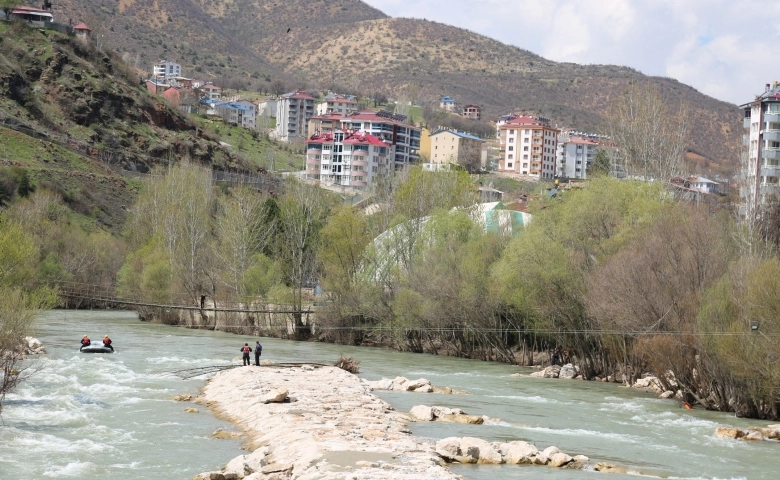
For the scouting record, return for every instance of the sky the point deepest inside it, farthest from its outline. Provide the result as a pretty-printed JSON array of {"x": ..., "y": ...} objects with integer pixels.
[{"x": 721, "y": 48}]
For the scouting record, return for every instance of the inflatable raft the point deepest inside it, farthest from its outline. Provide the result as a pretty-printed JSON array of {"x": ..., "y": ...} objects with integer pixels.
[{"x": 96, "y": 348}]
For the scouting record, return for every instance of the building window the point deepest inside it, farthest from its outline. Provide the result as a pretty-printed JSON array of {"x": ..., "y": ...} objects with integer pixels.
[
  {"x": 525, "y": 140},
  {"x": 511, "y": 132},
  {"x": 525, "y": 157},
  {"x": 509, "y": 165},
  {"x": 511, "y": 148},
  {"x": 525, "y": 165},
  {"x": 510, "y": 156},
  {"x": 512, "y": 140}
]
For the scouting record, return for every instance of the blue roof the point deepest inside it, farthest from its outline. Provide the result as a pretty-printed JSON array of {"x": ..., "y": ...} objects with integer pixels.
[
  {"x": 447, "y": 99},
  {"x": 459, "y": 134}
]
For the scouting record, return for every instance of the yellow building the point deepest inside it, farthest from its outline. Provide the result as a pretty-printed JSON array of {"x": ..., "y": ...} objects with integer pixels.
[
  {"x": 450, "y": 146},
  {"x": 425, "y": 144}
]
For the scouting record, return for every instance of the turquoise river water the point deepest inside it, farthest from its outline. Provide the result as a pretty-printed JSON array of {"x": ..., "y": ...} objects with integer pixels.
[{"x": 111, "y": 416}]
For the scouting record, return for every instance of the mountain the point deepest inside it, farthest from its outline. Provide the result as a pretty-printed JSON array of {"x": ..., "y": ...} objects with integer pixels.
[{"x": 350, "y": 46}]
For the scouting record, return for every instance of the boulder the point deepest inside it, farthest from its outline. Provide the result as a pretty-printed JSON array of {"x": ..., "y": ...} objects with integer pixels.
[
  {"x": 552, "y": 371},
  {"x": 422, "y": 413},
  {"x": 424, "y": 389},
  {"x": 605, "y": 467},
  {"x": 567, "y": 371},
  {"x": 461, "y": 418},
  {"x": 559, "y": 459},
  {"x": 191, "y": 410},
  {"x": 231, "y": 476},
  {"x": 550, "y": 451},
  {"x": 441, "y": 411},
  {"x": 667, "y": 394},
  {"x": 210, "y": 476},
  {"x": 239, "y": 467},
  {"x": 445, "y": 390},
  {"x": 448, "y": 448},
  {"x": 384, "y": 384},
  {"x": 476, "y": 450},
  {"x": 581, "y": 458},
  {"x": 539, "y": 374},
  {"x": 399, "y": 383},
  {"x": 223, "y": 435},
  {"x": 753, "y": 435},
  {"x": 729, "y": 432},
  {"x": 274, "y": 396},
  {"x": 183, "y": 398},
  {"x": 277, "y": 467},
  {"x": 412, "y": 385},
  {"x": 517, "y": 452}
]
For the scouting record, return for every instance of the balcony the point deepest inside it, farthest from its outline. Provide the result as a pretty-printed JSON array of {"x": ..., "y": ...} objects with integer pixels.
[
  {"x": 746, "y": 122},
  {"x": 773, "y": 135},
  {"x": 315, "y": 151},
  {"x": 772, "y": 117},
  {"x": 313, "y": 161},
  {"x": 774, "y": 153},
  {"x": 359, "y": 153},
  {"x": 770, "y": 171},
  {"x": 360, "y": 163}
]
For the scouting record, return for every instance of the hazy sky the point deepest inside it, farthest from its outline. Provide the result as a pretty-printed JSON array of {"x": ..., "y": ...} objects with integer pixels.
[{"x": 722, "y": 48}]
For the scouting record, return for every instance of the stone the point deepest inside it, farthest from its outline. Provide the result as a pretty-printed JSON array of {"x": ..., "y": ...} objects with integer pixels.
[
  {"x": 183, "y": 398},
  {"x": 476, "y": 450},
  {"x": 518, "y": 452},
  {"x": 441, "y": 411},
  {"x": 191, "y": 410},
  {"x": 384, "y": 384},
  {"x": 552, "y": 371},
  {"x": 753, "y": 436},
  {"x": 559, "y": 459},
  {"x": 448, "y": 448},
  {"x": 399, "y": 383},
  {"x": 444, "y": 390},
  {"x": 231, "y": 476},
  {"x": 276, "y": 467},
  {"x": 413, "y": 385},
  {"x": 729, "y": 432},
  {"x": 605, "y": 467},
  {"x": 567, "y": 371},
  {"x": 581, "y": 458},
  {"x": 424, "y": 389},
  {"x": 366, "y": 464},
  {"x": 667, "y": 394},
  {"x": 422, "y": 413},
  {"x": 550, "y": 451},
  {"x": 307, "y": 368},
  {"x": 239, "y": 467},
  {"x": 276, "y": 395},
  {"x": 539, "y": 374},
  {"x": 464, "y": 419},
  {"x": 267, "y": 362}
]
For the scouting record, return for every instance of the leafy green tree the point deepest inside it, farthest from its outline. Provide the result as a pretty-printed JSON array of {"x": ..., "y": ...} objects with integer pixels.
[{"x": 601, "y": 164}]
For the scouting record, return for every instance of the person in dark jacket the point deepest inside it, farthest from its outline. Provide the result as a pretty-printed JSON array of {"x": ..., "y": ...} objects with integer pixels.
[
  {"x": 258, "y": 352},
  {"x": 107, "y": 343},
  {"x": 85, "y": 342},
  {"x": 246, "y": 349}
]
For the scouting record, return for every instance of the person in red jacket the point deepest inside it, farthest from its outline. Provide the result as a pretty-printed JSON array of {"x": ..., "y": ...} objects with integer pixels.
[
  {"x": 85, "y": 342},
  {"x": 246, "y": 350},
  {"x": 107, "y": 343}
]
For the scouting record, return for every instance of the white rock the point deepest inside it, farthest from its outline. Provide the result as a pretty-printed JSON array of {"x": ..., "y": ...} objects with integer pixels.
[
  {"x": 424, "y": 389},
  {"x": 518, "y": 452},
  {"x": 667, "y": 394},
  {"x": 559, "y": 459},
  {"x": 476, "y": 450},
  {"x": 539, "y": 374},
  {"x": 567, "y": 371},
  {"x": 422, "y": 413},
  {"x": 442, "y": 411},
  {"x": 239, "y": 466},
  {"x": 552, "y": 371},
  {"x": 550, "y": 451},
  {"x": 448, "y": 448},
  {"x": 274, "y": 396},
  {"x": 412, "y": 385},
  {"x": 384, "y": 384},
  {"x": 581, "y": 459}
]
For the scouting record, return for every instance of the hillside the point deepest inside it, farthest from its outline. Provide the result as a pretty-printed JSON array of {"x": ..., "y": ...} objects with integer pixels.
[
  {"x": 71, "y": 116},
  {"x": 351, "y": 46}
]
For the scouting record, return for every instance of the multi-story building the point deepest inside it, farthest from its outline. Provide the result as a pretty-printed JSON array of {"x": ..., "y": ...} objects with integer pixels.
[
  {"x": 447, "y": 103},
  {"x": 473, "y": 112},
  {"x": 292, "y": 116},
  {"x": 453, "y": 147},
  {"x": 575, "y": 154},
  {"x": 239, "y": 112},
  {"x": 402, "y": 139},
  {"x": 334, "y": 103},
  {"x": 211, "y": 91},
  {"x": 528, "y": 145},
  {"x": 346, "y": 158},
  {"x": 761, "y": 158},
  {"x": 166, "y": 69}
]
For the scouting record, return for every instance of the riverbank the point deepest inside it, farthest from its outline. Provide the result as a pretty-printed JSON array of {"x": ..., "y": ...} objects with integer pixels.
[{"x": 332, "y": 424}]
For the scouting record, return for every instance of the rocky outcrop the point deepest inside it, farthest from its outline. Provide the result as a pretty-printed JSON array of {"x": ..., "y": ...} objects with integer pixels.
[
  {"x": 770, "y": 432},
  {"x": 334, "y": 425},
  {"x": 424, "y": 413},
  {"x": 475, "y": 450},
  {"x": 33, "y": 346},
  {"x": 421, "y": 385}
]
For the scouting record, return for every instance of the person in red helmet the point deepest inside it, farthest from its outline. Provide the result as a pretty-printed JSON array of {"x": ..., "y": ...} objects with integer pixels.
[
  {"x": 85, "y": 342},
  {"x": 246, "y": 350},
  {"x": 107, "y": 343}
]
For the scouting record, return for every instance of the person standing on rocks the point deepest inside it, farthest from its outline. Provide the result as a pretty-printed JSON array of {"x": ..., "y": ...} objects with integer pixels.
[
  {"x": 258, "y": 352},
  {"x": 245, "y": 350}
]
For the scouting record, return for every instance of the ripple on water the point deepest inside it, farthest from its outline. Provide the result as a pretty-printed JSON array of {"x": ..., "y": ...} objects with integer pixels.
[
  {"x": 586, "y": 433},
  {"x": 530, "y": 399},
  {"x": 72, "y": 469}
]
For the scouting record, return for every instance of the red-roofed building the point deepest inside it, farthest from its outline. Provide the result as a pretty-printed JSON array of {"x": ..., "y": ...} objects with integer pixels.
[
  {"x": 35, "y": 16},
  {"x": 527, "y": 145},
  {"x": 292, "y": 116},
  {"x": 82, "y": 31},
  {"x": 335, "y": 103},
  {"x": 473, "y": 112},
  {"x": 346, "y": 158},
  {"x": 575, "y": 154}
]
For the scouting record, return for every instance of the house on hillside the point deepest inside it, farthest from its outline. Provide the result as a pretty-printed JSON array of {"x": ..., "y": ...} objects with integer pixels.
[
  {"x": 453, "y": 147},
  {"x": 575, "y": 154},
  {"x": 239, "y": 112},
  {"x": 447, "y": 104},
  {"x": 474, "y": 112},
  {"x": 82, "y": 32},
  {"x": 211, "y": 91},
  {"x": 35, "y": 16},
  {"x": 156, "y": 87},
  {"x": 335, "y": 103},
  {"x": 704, "y": 185},
  {"x": 165, "y": 69},
  {"x": 293, "y": 114}
]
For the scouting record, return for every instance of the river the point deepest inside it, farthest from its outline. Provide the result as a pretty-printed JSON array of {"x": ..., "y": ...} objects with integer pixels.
[{"x": 91, "y": 416}]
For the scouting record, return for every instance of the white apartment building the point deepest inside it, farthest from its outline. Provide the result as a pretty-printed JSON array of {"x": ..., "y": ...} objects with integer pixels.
[
  {"x": 348, "y": 159},
  {"x": 211, "y": 91},
  {"x": 528, "y": 146},
  {"x": 574, "y": 155},
  {"x": 761, "y": 160},
  {"x": 334, "y": 103},
  {"x": 292, "y": 116},
  {"x": 403, "y": 139},
  {"x": 166, "y": 69},
  {"x": 239, "y": 112}
]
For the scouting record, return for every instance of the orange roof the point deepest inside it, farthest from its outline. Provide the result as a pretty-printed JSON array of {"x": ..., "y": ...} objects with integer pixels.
[{"x": 82, "y": 26}]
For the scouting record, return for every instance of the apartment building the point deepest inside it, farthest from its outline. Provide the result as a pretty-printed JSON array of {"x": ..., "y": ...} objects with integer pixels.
[
  {"x": 334, "y": 103},
  {"x": 166, "y": 69},
  {"x": 528, "y": 146},
  {"x": 761, "y": 158},
  {"x": 447, "y": 103},
  {"x": 211, "y": 91},
  {"x": 473, "y": 112},
  {"x": 574, "y": 155},
  {"x": 346, "y": 158},
  {"x": 453, "y": 147},
  {"x": 402, "y": 139},
  {"x": 292, "y": 116},
  {"x": 239, "y": 112}
]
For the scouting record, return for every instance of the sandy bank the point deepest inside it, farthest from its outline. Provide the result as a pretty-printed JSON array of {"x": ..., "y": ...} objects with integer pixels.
[{"x": 333, "y": 429}]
